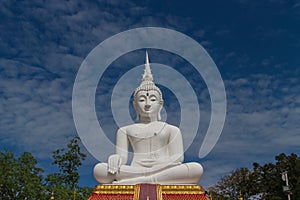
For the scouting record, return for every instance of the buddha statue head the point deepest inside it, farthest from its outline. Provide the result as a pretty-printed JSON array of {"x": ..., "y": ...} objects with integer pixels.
[{"x": 148, "y": 99}]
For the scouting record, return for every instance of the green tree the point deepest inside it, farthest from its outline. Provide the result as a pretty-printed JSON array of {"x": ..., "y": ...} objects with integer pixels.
[
  {"x": 264, "y": 181},
  {"x": 270, "y": 180},
  {"x": 291, "y": 164},
  {"x": 64, "y": 183},
  {"x": 20, "y": 178},
  {"x": 296, "y": 189},
  {"x": 7, "y": 167},
  {"x": 230, "y": 186}
]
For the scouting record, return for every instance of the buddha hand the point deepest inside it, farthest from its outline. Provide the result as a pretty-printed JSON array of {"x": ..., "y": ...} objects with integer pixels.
[{"x": 114, "y": 163}]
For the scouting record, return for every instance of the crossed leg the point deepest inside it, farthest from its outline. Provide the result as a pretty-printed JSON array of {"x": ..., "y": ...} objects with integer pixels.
[{"x": 188, "y": 173}]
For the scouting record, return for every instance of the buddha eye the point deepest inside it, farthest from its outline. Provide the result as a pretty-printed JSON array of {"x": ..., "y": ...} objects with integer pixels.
[{"x": 141, "y": 99}]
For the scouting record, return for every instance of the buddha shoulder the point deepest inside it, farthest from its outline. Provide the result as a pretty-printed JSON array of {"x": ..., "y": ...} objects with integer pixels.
[{"x": 172, "y": 129}]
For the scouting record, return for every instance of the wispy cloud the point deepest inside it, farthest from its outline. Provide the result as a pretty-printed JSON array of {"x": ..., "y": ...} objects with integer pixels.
[{"x": 262, "y": 121}]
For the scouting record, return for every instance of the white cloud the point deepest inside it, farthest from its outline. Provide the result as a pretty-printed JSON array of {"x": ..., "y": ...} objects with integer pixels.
[
  {"x": 44, "y": 45},
  {"x": 36, "y": 111},
  {"x": 262, "y": 121}
]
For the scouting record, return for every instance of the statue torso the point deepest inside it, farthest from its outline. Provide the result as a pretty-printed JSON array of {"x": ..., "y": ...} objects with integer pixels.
[{"x": 149, "y": 141}]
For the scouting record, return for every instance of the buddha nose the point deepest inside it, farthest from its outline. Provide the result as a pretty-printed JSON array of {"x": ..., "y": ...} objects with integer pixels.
[
  {"x": 147, "y": 106},
  {"x": 147, "y": 103}
]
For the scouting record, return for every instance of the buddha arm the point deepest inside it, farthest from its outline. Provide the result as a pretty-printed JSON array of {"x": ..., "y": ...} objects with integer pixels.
[
  {"x": 120, "y": 158},
  {"x": 175, "y": 146},
  {"x": 122, "y": 145}
]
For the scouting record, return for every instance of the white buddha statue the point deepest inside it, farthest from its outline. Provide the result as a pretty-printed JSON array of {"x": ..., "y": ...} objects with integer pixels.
[{"x": 157, "y": 146}]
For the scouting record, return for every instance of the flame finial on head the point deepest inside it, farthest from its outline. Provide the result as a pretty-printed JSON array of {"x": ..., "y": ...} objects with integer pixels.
[
  {"x": 147, "y": 80},
  {"x": 147, "y": 76}
]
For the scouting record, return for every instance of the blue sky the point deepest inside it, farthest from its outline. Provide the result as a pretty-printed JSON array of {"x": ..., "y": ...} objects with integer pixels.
[{"x": 255, "y": 45}]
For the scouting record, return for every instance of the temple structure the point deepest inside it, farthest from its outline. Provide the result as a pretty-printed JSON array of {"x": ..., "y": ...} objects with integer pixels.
[
  {"x": 148, "y": 192},
  {"x": 157, "y": 170}
]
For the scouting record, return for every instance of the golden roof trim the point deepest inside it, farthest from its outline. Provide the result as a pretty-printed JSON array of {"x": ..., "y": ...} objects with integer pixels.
[
  {"x": 182, "y": 189},
  {"x": 114, "y": 189},
  {"x": 161, "y": 189}
]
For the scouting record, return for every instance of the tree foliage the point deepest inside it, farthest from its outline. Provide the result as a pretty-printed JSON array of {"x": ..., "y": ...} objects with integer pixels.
[
  {"x": 263, "y": 181},
  {"x": 291, "y": 164},
  {"x": 68, "y": 160},
  {"x": 21, "y": 179},
  {"x": 239, "y": 181},
  {"x": 65, "y": 182}
]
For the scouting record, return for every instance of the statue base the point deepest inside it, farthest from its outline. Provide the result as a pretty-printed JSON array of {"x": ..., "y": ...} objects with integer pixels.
[{"x": 148, "y": 192}]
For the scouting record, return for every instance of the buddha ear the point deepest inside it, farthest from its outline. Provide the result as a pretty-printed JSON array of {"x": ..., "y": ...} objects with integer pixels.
[
  {"x": 158, "y": 116},
  {"x": 136, "y": 111},
  {"x": 161, "y": 106}
]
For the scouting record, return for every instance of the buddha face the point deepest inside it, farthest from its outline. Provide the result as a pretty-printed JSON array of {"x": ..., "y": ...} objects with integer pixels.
[{"x": 148, "y": 104}]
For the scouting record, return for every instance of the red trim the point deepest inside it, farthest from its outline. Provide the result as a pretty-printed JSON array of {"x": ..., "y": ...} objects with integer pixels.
[{"x": 111, "y": 197}]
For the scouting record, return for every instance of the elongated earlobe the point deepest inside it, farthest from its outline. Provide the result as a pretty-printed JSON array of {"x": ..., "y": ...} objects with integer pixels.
[
  {"x": 136, "y": 112},
  {"x": 158, "y": 114},
  {"x": 158, "y": 117}
]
